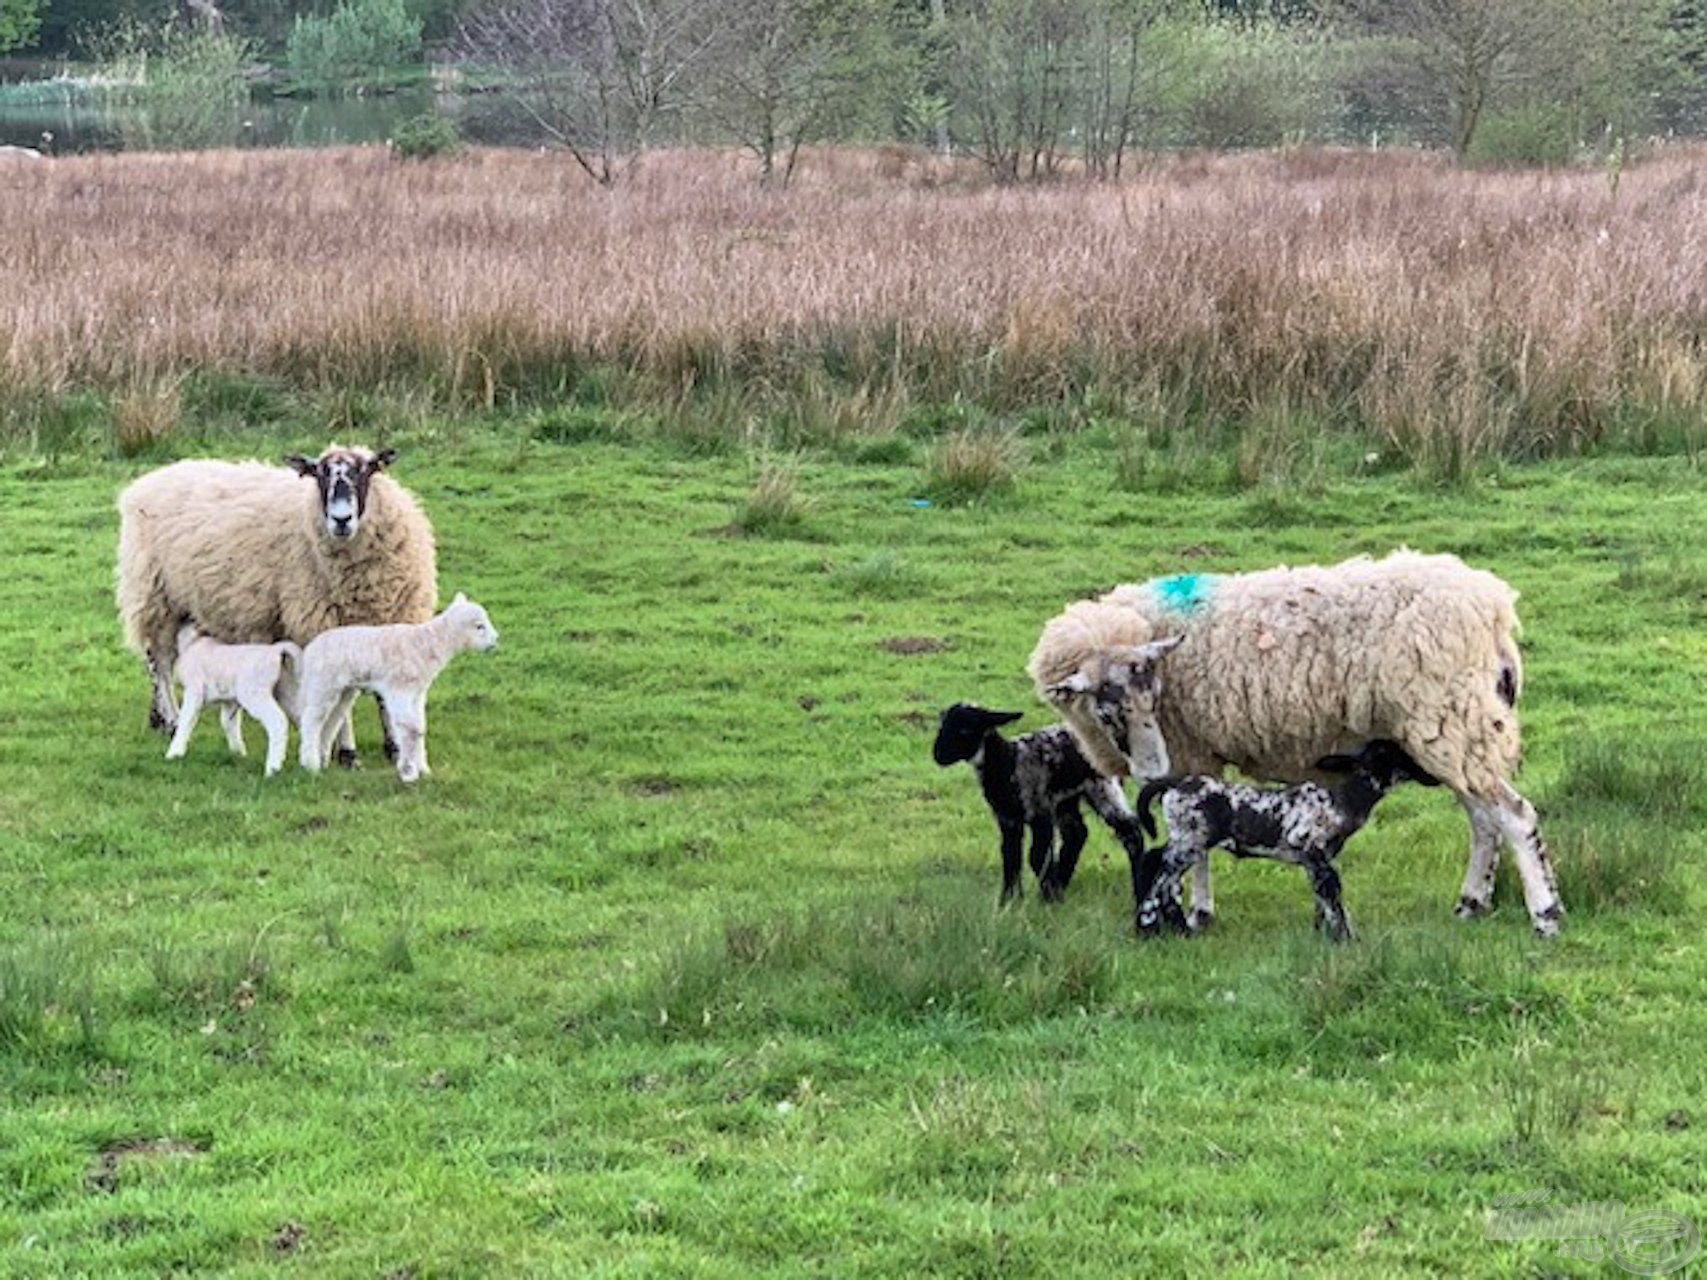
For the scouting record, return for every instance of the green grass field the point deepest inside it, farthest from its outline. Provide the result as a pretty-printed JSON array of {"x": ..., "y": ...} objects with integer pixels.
[{"x": 687, "y": 962}]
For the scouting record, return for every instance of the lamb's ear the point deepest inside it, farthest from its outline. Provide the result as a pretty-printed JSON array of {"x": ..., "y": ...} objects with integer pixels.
[
  {"x": 1004, "y": 717},
  {"x": 1073, "y": 685},
  {"x": 460, "y": 599},
  {"x": 384, "y": 458},
  {"x": 301, "y": 465},
  {"x": 1336, "y": 764}
]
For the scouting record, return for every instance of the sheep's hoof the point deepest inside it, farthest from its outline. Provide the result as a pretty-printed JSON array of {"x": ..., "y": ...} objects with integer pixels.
[
  {"x": 160, "y": 722},
  {"x": 1050, "y": 891},
  {"x": 391, "y": 750},
  {"x": 1469, "y": 908},
  {"x": 1199, "y": 920},
  {"x": 1547, "y": 923},
  {"x": 348, "y": 759}
]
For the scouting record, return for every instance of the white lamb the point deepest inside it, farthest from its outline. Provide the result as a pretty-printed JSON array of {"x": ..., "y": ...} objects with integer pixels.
[
  {"x": 398, "y": 662},
  {"x": 257, "y": 678}
]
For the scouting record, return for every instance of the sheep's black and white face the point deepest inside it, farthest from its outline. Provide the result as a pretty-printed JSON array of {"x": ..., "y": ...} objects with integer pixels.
[
  {"x": 1116, "y": 697},
  {"x": 343, "y": 476}
]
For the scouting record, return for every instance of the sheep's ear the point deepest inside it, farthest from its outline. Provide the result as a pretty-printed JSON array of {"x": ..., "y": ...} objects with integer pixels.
[
  {"x": 301, "y": 465},
  {"x": 1336, "y": 764},
  {"x": 384, "y": 458},
  {"x": 1004, "y": 717},
  {"x": 460, "y": 599},
  {"x": 1073, "y": 685},
  {"x": 1157, "y": 648}
]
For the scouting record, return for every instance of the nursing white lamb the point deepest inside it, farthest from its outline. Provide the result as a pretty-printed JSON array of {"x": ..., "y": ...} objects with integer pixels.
[
  {"x": 398, "y": 662},
  {"x": 253, "y": 555},
  {"x": 257, "y": 678},
  {"x": 1278, "y": 668}
]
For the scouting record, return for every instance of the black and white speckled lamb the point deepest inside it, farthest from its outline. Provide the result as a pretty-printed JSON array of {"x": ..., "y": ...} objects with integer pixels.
[
  {"x": 1307, "y": 824},
  {"x": 1037, "y": 781}
]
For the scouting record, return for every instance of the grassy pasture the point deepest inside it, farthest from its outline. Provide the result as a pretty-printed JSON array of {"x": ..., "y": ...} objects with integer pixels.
[{"x": 687, "y": 962}]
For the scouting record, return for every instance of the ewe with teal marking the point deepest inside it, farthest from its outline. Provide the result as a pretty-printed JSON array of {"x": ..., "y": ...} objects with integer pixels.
[{"x": 1185, "y": 592}]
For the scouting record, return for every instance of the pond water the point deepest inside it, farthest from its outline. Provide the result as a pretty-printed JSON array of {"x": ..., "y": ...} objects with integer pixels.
[{"x": 32, "y": 101}]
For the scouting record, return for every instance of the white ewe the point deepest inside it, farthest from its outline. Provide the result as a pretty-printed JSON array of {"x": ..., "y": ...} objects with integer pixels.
[
  {"x": 253, "y": 555},
  {"x": 1279, "y": 668}
]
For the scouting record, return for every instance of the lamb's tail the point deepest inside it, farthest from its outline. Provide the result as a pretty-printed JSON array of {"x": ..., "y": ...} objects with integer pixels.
[
  {"x": 290, "y": 658},
  {"x": 1147, "y": 796}
]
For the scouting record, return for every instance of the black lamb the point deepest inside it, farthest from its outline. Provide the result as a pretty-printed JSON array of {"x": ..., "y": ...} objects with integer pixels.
[{"x": 1038, "y": 781}]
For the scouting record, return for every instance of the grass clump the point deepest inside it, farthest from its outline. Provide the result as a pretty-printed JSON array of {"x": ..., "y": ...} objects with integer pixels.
[
  {"x": 774, "y": 506},
  {"x": 972, "y": 463},
  {"x": 145, "y": 415}
]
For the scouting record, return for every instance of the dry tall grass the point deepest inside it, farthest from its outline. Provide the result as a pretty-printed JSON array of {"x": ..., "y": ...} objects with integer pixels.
[{"x": 1455, "y": 313}]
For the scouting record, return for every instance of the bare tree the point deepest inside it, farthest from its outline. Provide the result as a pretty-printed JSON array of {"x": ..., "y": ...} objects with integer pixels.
[
  {"x": 1469, "y": 51},
  {"x": 1014, "y": 70},
  {"x": 789, "y": 72},
  {"x": 601, "y": 77}
]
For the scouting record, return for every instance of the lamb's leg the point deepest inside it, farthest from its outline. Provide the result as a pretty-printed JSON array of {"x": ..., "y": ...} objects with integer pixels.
[
  {"x": 1108, "y": 802},
  {"x": 1476, "y": 898},
  {"x": 1522, "y": 831},
  {"x": 1160, "y": 906},
  {"x": 186, "y": 724},
  {"x": 338, "y": 737},
  {"x": 260, "y": 704},
  {"x": 1073, "y": 837},
  {"x": 409, "y": 717},
  {"x": 1013, "y": 847},
  {"x": 231, "y": 720},
  {"x": 316, "y": 703},
  {"x": 1330, "y": 909},
  {"x": 1043, "y": 847}
]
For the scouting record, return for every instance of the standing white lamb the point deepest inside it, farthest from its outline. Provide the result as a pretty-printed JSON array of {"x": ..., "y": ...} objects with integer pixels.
[
  {"x": 257, "y": 678},
  {"x": 254, "y": 555},
  {"x": 399, "y": 662},
  {"x": 1278, "y": 668}
]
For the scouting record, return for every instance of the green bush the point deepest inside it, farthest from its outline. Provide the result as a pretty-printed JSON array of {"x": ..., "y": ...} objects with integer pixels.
[
  {"x": 1539, "y": 136},
  {"x": 424, "y": 136},
  {"x": 171, "y": 88},
  {"x": 360, "y": 42}
]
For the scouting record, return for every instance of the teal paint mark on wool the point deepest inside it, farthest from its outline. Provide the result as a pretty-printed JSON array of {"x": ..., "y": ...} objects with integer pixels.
[{"x": 1184, "y": 592}]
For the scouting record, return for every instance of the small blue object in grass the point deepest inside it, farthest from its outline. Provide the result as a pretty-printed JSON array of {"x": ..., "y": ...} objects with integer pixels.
[
  {"x": 1184, "y": 592},
  {"x": 921, "y": 502}
]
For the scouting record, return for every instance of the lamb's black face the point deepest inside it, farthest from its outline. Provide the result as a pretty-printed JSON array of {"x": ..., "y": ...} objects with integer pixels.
[
  {"x": 343, "y": 476},
  {"x": 1385, "y": 761},
  {"x": 962, "y": 728}
]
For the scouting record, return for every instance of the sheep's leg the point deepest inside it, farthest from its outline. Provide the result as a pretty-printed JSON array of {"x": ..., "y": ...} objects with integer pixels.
[
  {"x": 387, "y": 728},
  {"x": 1522, "y": 831},
  {"x": 162, "y": 657},
  {"x": 1013, "y": 847},
  {"x": 1073, "y": 836},
  {"x": 346, "y": 727},
  {"x": 1043, "y": 847},
  {"x": 231, "y": 720},
  {"x": 186, "y": 724},
  {"x": 1476, "y": 898}
]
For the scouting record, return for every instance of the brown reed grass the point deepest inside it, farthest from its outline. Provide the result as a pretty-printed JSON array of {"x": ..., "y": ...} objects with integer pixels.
[{"x": 1450, "y": 313}]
